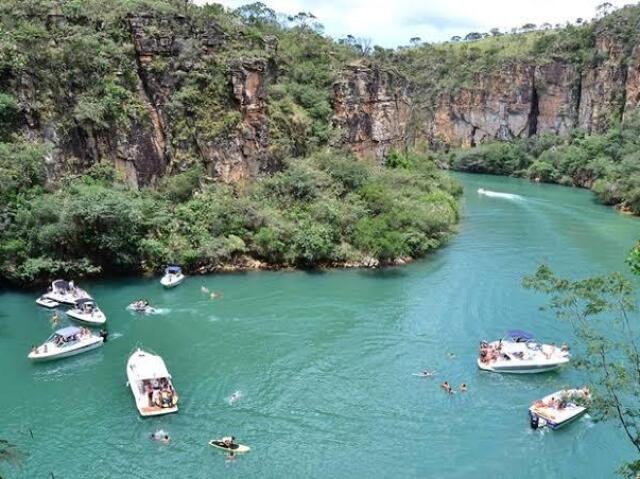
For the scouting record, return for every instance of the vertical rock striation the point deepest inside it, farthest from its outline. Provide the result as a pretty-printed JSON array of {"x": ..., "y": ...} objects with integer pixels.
[{"x": 372, "y": 110}]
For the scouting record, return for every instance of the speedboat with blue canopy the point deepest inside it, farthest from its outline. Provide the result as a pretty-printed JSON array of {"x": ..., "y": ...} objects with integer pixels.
[
  {"x": 87, "y": 311},
  {"x": 67, "y": 342},
  {"x": 172, "y": 277},
  {"x": 519, "y": 353}
]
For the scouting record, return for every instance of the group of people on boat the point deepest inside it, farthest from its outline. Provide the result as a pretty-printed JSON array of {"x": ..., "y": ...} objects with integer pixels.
[
  {"x": 140, "y": 305},
  {"x": 160, "y": 393},
  {"x": 563, "y": 401},
  {"x": 489, "y": 352}
]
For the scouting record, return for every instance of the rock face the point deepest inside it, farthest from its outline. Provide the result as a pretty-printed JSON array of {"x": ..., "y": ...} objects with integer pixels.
[
  {"x": 372, "y": 110},
  {"x": 232, "y": 155},
  {"x": 518, "y": 100},
  {"x": 168, "y": 52}
]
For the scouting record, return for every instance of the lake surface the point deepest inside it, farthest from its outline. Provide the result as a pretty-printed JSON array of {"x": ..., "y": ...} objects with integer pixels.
[{"x": 325, "y": 360}]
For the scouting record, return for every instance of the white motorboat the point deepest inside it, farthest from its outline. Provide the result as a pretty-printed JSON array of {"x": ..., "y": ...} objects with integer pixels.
[
  {"x": 67, "y": 342},
  {"x": 47, "y": 302},
  {"x": 86, "y": 311},
  {"x": 560, "y": 408},
  {"x": 519, "y": 353},
  {"x": 65, "y": 292},
  {"x": 151, "y": 385},
  {"x": 172, "y": 277}
]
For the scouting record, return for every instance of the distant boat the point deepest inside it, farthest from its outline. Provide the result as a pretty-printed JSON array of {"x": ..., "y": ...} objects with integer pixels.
[
  {"x": 151, "y": 385},
  {"x": 142, "y": 306},
  {"x": 519, "y": 353},
  {"x": 560, "y": 408},
  {"x": 67, "y": 342},
  {"x": 65, "y": 292},
  {"x": 172, "y": 277},
  {"x": 497, "y": 194},
  {"x": 87, "y": 311}
]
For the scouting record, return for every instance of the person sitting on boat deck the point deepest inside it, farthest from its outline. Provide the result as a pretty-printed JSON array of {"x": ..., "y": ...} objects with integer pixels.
[
  {"x": 228, "y": 441},
  {"x": 564, "y": 348},
  {"x": 34, "y": 349}
]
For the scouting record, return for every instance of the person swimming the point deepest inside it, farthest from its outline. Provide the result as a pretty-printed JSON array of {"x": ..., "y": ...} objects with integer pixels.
[
  {"x": 160, "y": 436},
  {"x": 427, "y": 374},
  {"x": 463, "y": 388},
  {"x": 235, "y": 397},
  {"x": 446, "y": 387}
]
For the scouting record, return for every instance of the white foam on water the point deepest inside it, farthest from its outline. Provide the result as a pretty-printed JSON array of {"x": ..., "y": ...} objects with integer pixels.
[
  {"x": 497, "y": 194},
  {"x": 235, "y": 397}
]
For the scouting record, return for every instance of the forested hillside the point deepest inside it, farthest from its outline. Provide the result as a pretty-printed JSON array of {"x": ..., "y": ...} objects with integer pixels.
[{"x": 136, "y": 133}]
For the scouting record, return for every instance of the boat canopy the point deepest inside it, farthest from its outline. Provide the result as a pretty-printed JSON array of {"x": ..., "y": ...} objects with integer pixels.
[
  {"x": 173, "y": 269},
  {"x": 83, "y": 301},
  {"x": 148, "y": 366},
  {"x": 61, "y": 284},
  {"x": 68, "y": 332},
  {"x": 520, "y": 335}
]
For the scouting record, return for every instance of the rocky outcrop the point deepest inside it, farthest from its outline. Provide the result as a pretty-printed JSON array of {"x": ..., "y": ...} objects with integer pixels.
[
  {"x": 372, "y": 110},
  {"x": 244, "y": 154},
  {"x": 234, "y": 154},
  {"x": 603, "y": 88}
]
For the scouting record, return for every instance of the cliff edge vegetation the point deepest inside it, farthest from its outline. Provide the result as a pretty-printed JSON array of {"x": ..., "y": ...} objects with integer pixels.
[{"x": 135, "y": 133}]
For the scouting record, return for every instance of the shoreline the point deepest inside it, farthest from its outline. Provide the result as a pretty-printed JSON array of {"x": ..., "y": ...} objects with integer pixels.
[{"x": 242, "y": 264}]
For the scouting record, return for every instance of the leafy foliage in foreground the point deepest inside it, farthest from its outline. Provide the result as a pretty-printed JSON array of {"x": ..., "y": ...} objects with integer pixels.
[
  {"x": 603, "y": 315},
  {"x": 609, "y": 164},
  {"x": 326, "y": 209}
]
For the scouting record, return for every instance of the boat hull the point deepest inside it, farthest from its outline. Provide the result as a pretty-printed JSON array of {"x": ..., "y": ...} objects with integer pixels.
[
  {"x": 97, "y": 319},
  {"x": 239, "y": 448},
  {"x": 519, "y": 368},
  {"x": 168, "y": 282},
  {"x": 66, "y": 354}
]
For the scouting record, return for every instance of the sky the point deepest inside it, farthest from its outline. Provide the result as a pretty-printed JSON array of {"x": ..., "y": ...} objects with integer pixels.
[{"x": 391, "y": 23}]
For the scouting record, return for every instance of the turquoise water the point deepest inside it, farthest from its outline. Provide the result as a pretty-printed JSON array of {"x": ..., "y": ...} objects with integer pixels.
[{"x": 324, "y": 361}]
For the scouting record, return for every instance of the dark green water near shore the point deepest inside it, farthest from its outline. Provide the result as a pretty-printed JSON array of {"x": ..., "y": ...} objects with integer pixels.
[{"x": 324, "y": 361}]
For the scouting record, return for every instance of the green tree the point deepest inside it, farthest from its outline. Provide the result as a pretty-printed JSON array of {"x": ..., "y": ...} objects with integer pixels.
[{"x": 603, "y": 315}]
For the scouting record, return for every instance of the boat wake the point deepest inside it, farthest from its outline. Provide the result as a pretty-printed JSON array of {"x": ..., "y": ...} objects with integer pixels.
[
  {"x": 497, "y": 194},
  {"x": 234, "y": 398}
]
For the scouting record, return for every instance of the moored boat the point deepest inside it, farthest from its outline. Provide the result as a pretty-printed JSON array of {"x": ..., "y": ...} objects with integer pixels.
[
  {"x": 151, "y": 385},
  {"x": 519, "y": 353},
  {"x": 87, "y": 311},
  {"x": 172, "y": 277},
  {"x": 67, "y": 342},
  {"x": 65, "y": 292},
  {"x": 560, "y": 408},
  {"x": 47, "y": 302}
]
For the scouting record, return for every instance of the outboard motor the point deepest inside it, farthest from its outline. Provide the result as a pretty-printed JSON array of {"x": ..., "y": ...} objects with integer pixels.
[
  {"x": 535, "y": 422},
  {"x": 104, "y": 334}
]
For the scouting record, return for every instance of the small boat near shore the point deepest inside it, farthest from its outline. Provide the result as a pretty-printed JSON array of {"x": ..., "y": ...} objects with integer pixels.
[
  {"x": 172, "y": 277},
  {"x": 65, "y": 292},
  {"x": 67, "y": 342},
  {"x": 47, "y": 302},
  {"x": 519, "y": 353},
  {"x": 86, "y": 311},
  {"x": 151, "y": 385},
  {"x": 560, "y": 408}
]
